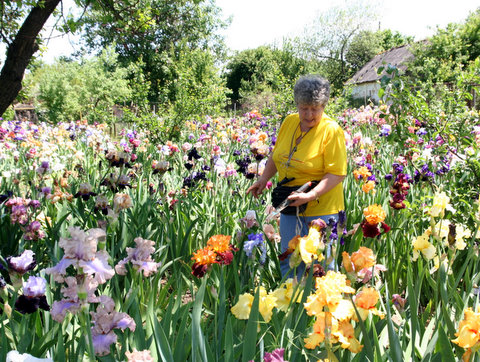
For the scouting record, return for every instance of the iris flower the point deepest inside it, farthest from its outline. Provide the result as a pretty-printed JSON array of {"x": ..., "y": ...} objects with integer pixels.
[
  {"x": 285, "y": 294},
  {"x": 15, "y": 356},
  {"x": 423, "y": 245},
  {"x": 311, "y": 246},
  {"x": 79, "y": 291},
  {"x": 33, "y": 296},
  {"x": 255, "y": 241},
  {"x": 85, "y": 191},
  {"x": 218, "y": 250},
  {"x": 441, "y": 202},
  {"x": 139, "y": 356},
  {"x": 275, "y": 356},
  {"x": 328, "y": 293},
  {"x": 104, "y": 321},
  {"x": 140, "y": 257},
  {"x": 374, "y": 216},
  {"x": 80, "y": 250},
  {"x": 241, "y": 310},
  {"x": 468, "y": 335},
  {"x": 366, "y": 301},
  {"x": 22, "y": 263}
]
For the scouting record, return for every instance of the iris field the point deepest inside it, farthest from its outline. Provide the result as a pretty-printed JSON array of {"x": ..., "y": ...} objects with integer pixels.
[{"x": 129, "y": 248}]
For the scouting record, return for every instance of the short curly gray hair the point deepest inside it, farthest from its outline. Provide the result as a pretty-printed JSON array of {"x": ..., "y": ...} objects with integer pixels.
[{"x": 311, "y": 90}]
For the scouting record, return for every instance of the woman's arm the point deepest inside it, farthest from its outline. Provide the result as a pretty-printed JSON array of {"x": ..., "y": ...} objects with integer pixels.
[
  {"x": 269, "y": 171},
  {"x": 328, "y": 182}
]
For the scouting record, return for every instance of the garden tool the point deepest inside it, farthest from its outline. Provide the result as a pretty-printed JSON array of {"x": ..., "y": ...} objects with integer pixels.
[{"x": 285, "y": 203}]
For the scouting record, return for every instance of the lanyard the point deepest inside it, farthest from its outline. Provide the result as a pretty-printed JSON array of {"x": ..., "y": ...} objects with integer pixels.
[{"x": 294, "y": 149}]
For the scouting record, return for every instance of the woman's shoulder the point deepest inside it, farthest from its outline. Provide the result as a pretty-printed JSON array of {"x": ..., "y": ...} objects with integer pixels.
[
  {"x": 293, "y": 117},
  {"x": 330, "y": 123},
  {"x": 290, "y": 121}
]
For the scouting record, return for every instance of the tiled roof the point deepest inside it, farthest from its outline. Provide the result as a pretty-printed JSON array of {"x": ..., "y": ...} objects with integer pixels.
[{"x": 395, "y": 56}]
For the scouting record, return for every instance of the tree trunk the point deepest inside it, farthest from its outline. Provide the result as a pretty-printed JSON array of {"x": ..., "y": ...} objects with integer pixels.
[{"x": 21, "y": 50}]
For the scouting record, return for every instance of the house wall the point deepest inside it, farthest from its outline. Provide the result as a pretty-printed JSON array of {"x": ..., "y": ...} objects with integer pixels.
[{"x": 367, "y": 92}]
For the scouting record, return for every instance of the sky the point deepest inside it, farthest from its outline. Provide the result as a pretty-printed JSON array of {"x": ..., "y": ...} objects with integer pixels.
[{"x": 262, "y": 22}]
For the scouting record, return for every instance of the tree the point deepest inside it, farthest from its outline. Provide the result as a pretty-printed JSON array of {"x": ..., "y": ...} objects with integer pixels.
[
  {"x": 70, "y": 90},
  {"x": 158, "y": 31},
  {"x": 24, "y": 44},
  {"x": 363, "y": 47},
  {"x": 444, "y": 57},
  {"x": 199, "y": 89},
  {"x": 366, "y": 44},
  {"x": 264, "y": 69},
  {"x": 141, "y": 29},
  {"x": 328, "y": 38}
]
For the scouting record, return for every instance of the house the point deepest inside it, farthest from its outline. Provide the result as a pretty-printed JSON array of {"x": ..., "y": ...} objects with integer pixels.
[
  {"x": 25, "y": 112},
  {"x": 367, "y": 82}
]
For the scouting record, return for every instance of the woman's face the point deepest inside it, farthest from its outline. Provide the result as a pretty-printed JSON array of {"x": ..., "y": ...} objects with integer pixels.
[{"x": 310, "y": 115}]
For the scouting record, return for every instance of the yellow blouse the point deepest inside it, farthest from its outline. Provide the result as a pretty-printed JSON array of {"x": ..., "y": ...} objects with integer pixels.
[{"x": 321, "y": 150}]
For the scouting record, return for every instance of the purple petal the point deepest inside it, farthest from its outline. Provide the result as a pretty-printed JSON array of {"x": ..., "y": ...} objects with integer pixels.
[
  {"x": 275, "y": 356},
  {"x": 23, "y": 263},
  {"x": 102, "y": 342},
  {"x": 98, "y": 266},
  {"x": 34, "y": 287},
  {"x": 61, "y": 307}
]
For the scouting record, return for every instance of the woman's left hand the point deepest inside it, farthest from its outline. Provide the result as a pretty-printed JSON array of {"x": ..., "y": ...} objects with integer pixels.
[
  {"x": 328, "y": 182},
  {"x": 300, "y": 198}
]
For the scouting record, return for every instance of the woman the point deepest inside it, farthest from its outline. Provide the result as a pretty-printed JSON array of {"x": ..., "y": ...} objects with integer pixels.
[{"x": 310, "y": 146}]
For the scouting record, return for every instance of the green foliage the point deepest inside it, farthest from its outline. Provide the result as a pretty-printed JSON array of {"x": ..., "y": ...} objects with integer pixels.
[
  {"x": 249, "y": 69},
  {"x": 67, "y": 90},
  {"x": 442, "y": 110},
  {"x": 392, "y": 39},
  {"x": 366, "y": 44},
  {"x": 328, "y": 38},
  {"x": 443, "y": 57},
  {"x": 263, "y": 78},
  {"x": 156, "y": 31},
  {"x": 363, "y": 47},
  {"x": 196, "y": 90},
  {"x": 11, "y": 14}
]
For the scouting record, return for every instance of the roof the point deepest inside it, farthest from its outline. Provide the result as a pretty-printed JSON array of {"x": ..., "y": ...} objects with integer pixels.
[
  {"x": 395, "y": 56},
  {"x": 23, "y": 107}
]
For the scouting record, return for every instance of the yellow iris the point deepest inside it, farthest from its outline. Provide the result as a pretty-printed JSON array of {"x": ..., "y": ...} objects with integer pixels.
[
  {"x": 374, "y": 214},
  {"x": 363, "y": 258},
  {"x": 468, "y": 334},
  {"x": 311, "y": 246}
]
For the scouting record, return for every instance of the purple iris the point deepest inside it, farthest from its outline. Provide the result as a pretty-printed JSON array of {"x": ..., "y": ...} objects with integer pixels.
[
  {"x": 33, "y": 296},
  {"x": 421, "y": 132},
  {"x": 193, "y": 154},
  {"x": 23, "y": 263},
  {"x": 275, "y": 356},
  {"x": 255, "y": 241},
  {"x": 342, "y": 217},
  {"x": 397, "y": 168},
  {"x": 386, "y": 130}
]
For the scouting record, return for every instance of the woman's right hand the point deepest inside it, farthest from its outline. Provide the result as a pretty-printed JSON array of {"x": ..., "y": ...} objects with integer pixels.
[{"x": 257, "y": 188}]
